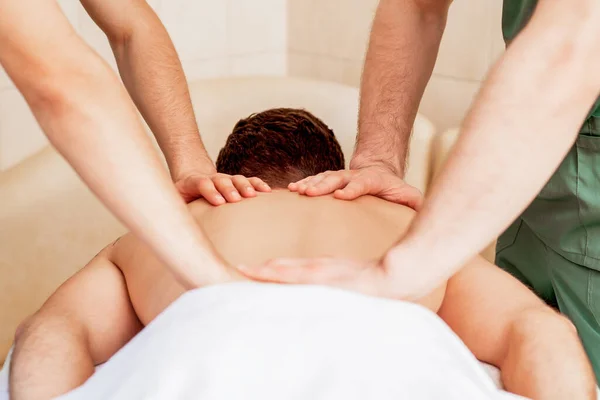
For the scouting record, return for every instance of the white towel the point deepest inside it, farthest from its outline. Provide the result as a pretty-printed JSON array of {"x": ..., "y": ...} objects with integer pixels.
[
  {"x": 258, "y": 341},
  {"x": 4, "y": 377}
]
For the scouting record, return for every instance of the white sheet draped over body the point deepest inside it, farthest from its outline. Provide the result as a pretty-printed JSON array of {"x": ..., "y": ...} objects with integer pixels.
[{"x": 259, "y": 341}]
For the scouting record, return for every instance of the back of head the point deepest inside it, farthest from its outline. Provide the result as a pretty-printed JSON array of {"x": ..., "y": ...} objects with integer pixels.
[{"x": 280, "y": 146}]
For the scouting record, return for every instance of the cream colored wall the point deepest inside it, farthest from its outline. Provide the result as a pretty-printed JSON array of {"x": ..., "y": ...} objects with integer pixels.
[
  {"x": 328, "y": 38},
  {"x": 214, "y": 38}
]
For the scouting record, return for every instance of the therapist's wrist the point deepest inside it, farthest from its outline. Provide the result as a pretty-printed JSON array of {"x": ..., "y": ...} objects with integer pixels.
[
  {"x": 192, "y": 164},
  {"x": 403, "y": 254},
  {"x": 208, "y": 270},
  {"x": 414, "y": 269},
  {"x": 384, "y": 165},
  {"x": 388, "y": 164},
  {"x": 201, "y": 169},
  {"x": 186, "y": 156}
]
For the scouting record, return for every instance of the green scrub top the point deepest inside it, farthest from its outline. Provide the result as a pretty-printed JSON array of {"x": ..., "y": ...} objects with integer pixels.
[{"x": 515, "y": 15}]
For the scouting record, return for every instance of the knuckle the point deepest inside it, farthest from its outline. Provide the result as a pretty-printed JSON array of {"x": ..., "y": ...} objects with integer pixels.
[
  {"x": 206, "y": 184},
  {"x": 227, "y": 183}
]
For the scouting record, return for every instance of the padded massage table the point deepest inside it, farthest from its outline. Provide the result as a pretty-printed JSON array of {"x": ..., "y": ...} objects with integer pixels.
[{"x": 51, "y": 224}]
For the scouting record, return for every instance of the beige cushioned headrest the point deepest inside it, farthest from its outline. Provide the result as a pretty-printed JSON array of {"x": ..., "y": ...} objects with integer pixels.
[{"x": 220, "y": 103}]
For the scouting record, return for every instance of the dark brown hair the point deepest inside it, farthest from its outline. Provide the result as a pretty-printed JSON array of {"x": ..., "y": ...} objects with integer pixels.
[{"x": 280, "y": 146}]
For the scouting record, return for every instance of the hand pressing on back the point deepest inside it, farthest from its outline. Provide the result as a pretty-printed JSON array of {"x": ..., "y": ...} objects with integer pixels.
[
  {"x": 375, "y": 180},
  {"x": 218, "y": 188},
  {"x": 398, "y": 275}
]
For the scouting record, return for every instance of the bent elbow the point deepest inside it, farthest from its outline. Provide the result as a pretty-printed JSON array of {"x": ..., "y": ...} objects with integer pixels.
[
  {"x": 61, "y": 99},
  {"x": 528, "y": 325},
  {"x": 74, "y": 82},
  {"x": 118, "y": 36},
  {"x": 433, "y": 6},
  {"x": 46, "y": 97},
  {"x": 22, "y": 328}
]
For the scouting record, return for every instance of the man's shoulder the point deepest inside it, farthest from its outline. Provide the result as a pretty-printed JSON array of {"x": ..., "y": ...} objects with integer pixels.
[
  {"x": 385, "y": 208},
  {"x": 296, "y": 209},
  {"x": 283, "y": 197}
]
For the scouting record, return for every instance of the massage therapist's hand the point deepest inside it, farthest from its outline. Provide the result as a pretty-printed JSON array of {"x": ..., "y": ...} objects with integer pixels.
[
  {"x": 376, "y": 180},
  {"x": 218, "y": 188},
  {"x": 393, "y": 277}
]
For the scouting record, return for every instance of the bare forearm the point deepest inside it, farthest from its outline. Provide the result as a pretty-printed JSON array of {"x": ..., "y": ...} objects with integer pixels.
[
  {"x": 87, "y": 115},
  {"x": 545, "y": 359},
  {"x": 152, "y": 73},
  {"x": 402, "y": 50},
  {"x": 106, "y": 144},
  {"x": 522, "y": 124},
  {"x": 50, "y": 359}
]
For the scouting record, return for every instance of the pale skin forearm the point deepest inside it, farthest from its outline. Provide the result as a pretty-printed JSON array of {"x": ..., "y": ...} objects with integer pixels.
[
  {"x": 402, "y": 50},
  {"x": 521, "y": 126},
  {"x": 153, "y": 75},
  {"x": 88, "y": 117},
  {"x": 116, "y": 159}
]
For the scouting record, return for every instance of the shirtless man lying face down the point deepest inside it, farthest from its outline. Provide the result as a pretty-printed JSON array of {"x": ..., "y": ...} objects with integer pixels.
[{"x": 99, "y": 309}]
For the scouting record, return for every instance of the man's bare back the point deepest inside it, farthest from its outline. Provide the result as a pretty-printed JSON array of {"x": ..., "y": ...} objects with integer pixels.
[{"x": 277, "y": 224}]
